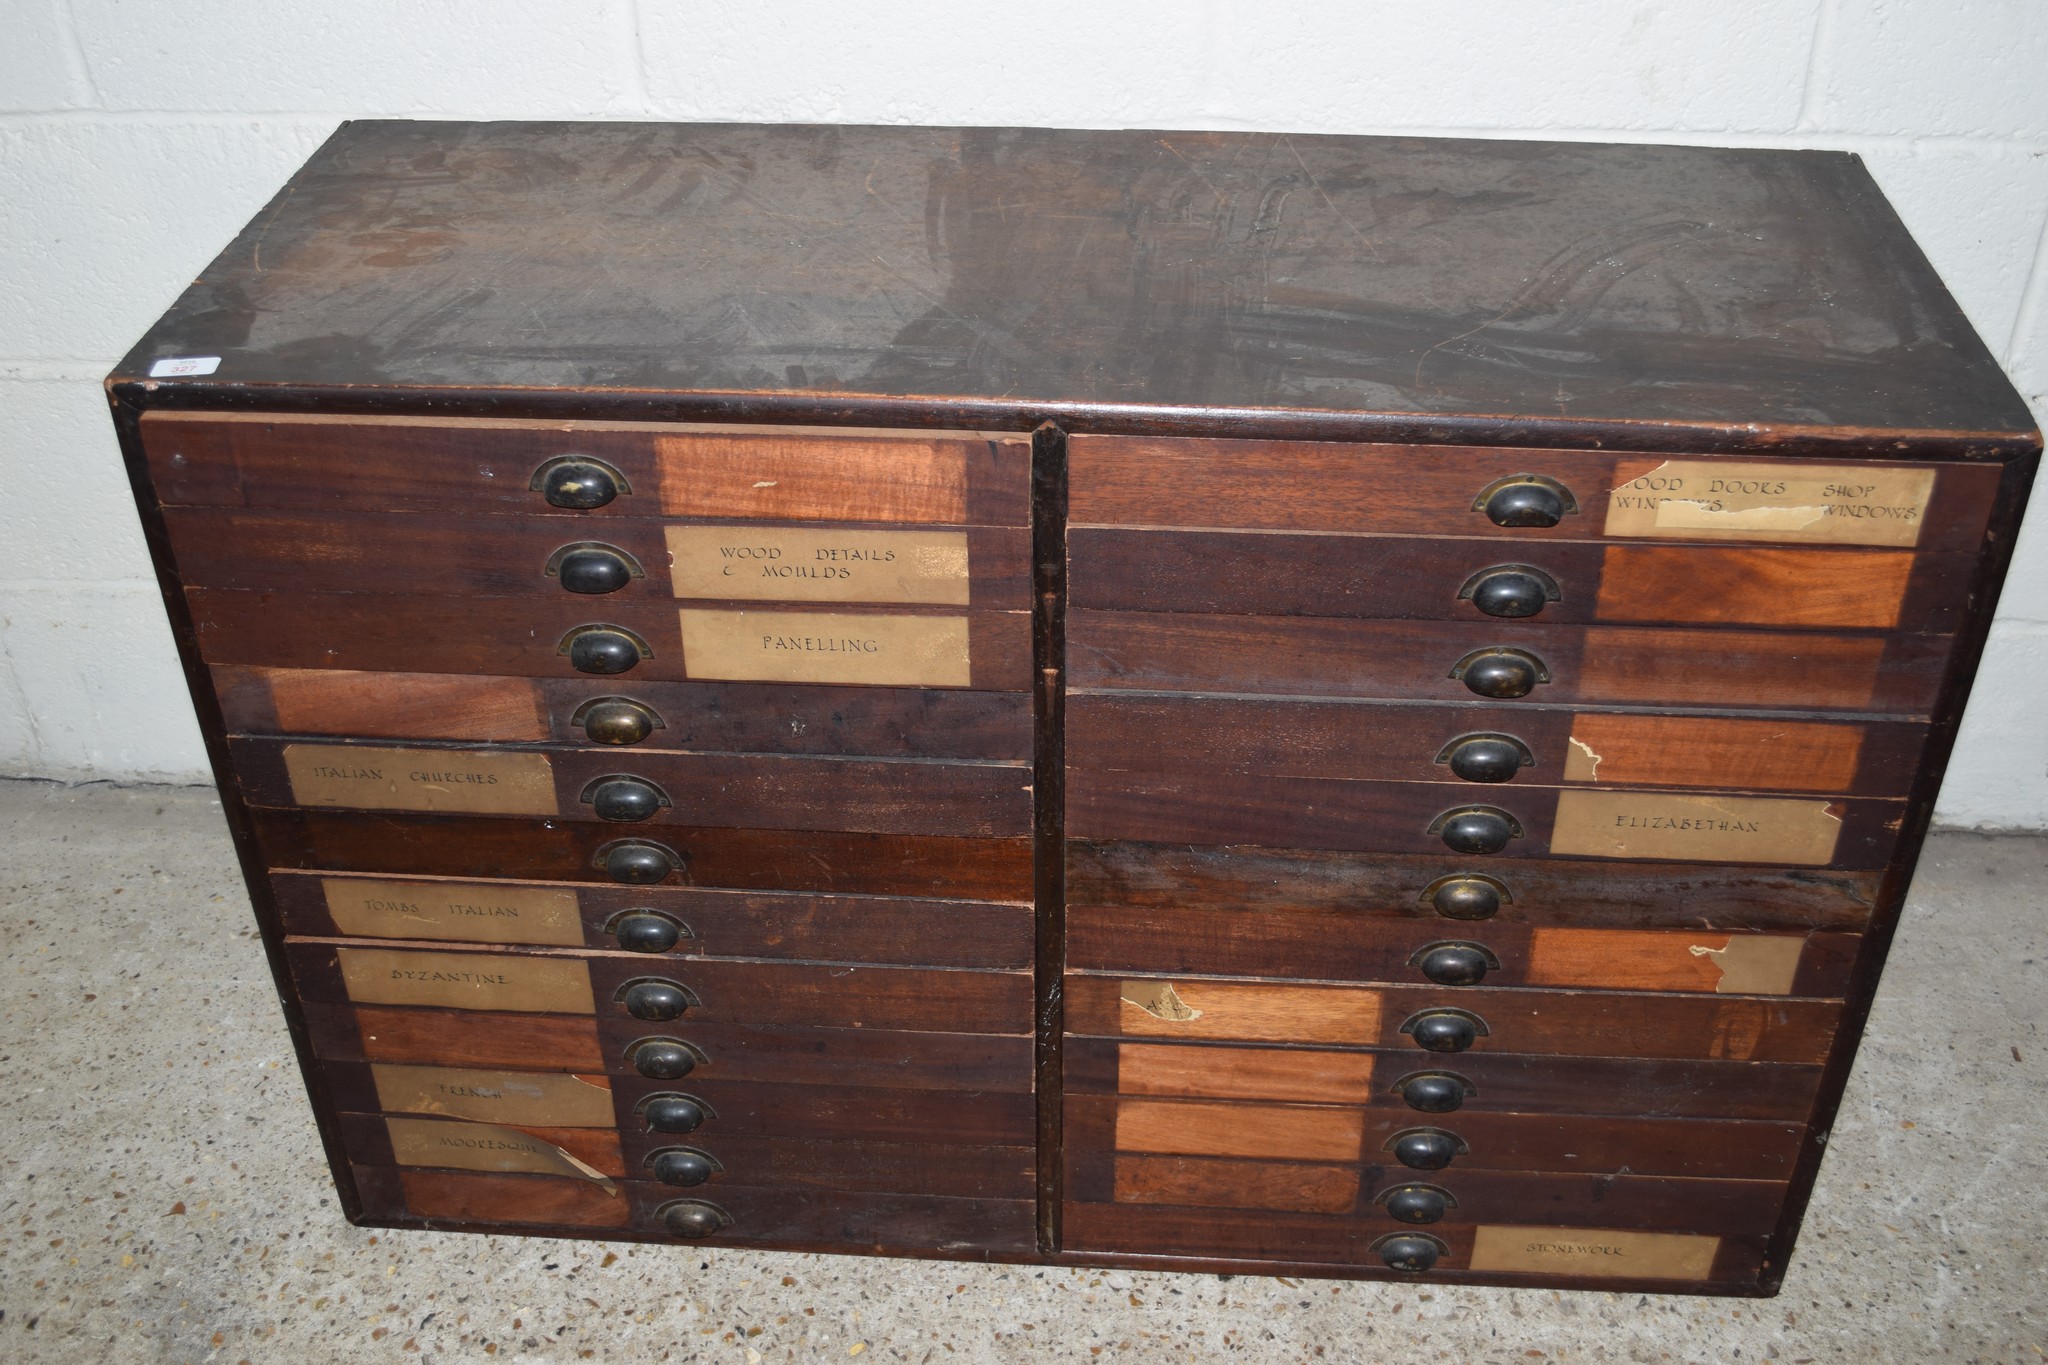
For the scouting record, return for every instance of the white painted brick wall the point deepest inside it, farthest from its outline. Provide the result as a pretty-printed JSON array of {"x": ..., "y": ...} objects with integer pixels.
[{"x": 137, "y": 136}]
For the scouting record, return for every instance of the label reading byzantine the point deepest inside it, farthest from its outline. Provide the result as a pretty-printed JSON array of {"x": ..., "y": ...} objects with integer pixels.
[
  {"x": 804, "y": 564},
  {"x": 814, "y": 647},
  {"x": 477, "y": 782},
  {"x": 467, "y": 981},
  {"x": 1815, "y": 504},
  {"x": 458, "y": 911},
  {"x": 537, "y": 1099},
  {"x": 480, "y": 1147},
  {"x": 1715, "y": 829},
  {"x": 1594, "y": 1251}
]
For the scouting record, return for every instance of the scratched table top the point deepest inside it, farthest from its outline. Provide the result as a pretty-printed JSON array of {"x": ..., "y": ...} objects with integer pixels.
[{"x": 1133, "y": 280}]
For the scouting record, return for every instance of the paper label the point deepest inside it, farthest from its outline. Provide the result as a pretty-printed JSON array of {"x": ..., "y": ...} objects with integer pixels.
[
  {"x": 1717, "y": 829},
  {"x": 177, "y": 367},
  {"x": 1810, "y": 504},
  {"x": 476, "y": 782},
  {"x": 789, "y": 646},
  {"x": 803, "y": 564},
  {"x": 1595, "y": 1252},
  {"x": 460, "y": 911},
  {"x": 467, "y": 981},
  {"x": 481, "y": 1147},
  {"x": 535, "y": 1099}
]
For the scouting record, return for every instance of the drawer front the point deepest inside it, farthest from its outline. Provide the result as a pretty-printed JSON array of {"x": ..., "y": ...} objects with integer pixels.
[{"x": 1463, "y": 491}]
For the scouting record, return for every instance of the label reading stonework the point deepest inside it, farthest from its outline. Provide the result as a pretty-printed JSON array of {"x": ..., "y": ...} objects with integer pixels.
[
  {"x": 1594, "y": 1251},
  {"x": 814, "y": 647},
  {"x": 804, "y": 564},
  {"x": 1814, "y": 504},
  {"x": 489, "y": 782},
  {"x": 458, "y": 911},
  {"x": 535, "y": 1099},
  {"x": 1716, "y": 829},
  {"x": 465, "y": 1146},
  {"x": 471, "y": 981}
]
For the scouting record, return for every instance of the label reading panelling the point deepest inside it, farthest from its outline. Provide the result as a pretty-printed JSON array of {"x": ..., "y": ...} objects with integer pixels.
[
  {"x": 1715, "y": 829},
  {"x": 1594, "y": 1252},
  {"x": 481, "y": 1147},
  {"x": 537, "y": 1099},
  {"x": 804, "y": 564},
  {"x": 477, "y": 782},
  {"x": 1814, "y": 504},
  {"x": 463, "y": 911},
  {"x": 471, "y": 981},
  {"x": 790, "y": 646}
]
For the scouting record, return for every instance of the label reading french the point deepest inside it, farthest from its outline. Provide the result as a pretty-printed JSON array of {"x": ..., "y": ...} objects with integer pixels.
[
  {"x": 816, "y": 647},
  {"x": 803, "y": 564},
  {"x": 1809, "y": 504}
]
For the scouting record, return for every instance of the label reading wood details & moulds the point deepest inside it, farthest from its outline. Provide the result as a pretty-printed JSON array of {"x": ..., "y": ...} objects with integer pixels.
[
  {"x": 815, "y": 647},
  {"x": 1716, "y": 829},
  {"x": 805, "y": 564},
  {"x": 467, "y": 981},
  {"x": 1811, "y": 504},
  {"x": 463, "y": 1146},
  {"x": 537, "y": 1099},
  {"x": 474, "y": 782},
  {"x": 458, "y": 911},
  {"x": 1595, "y": 1252}
]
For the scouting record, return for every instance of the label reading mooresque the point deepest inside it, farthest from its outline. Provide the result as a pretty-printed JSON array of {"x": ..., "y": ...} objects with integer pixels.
[
  {"x": 1815, "y": 504},
  {"x": 1716, "y": 829},
  {"x": 804, "y": 564},
  {"x": 817, "y": 647},
  {"x": 477, "y": 782},
  {"x": 471, "y": 981},
  {"x": 466, "y": 1146},
  {"x": 537, "y": 1099},
  {"x": 472, "y": 912}
]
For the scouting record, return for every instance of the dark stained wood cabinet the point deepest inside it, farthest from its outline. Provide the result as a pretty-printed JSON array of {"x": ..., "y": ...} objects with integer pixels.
[{"x": 1328, "y": 706}]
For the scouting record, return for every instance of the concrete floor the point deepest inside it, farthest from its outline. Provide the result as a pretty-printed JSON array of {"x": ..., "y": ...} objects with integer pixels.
[{"x": 162, "y": 1196}]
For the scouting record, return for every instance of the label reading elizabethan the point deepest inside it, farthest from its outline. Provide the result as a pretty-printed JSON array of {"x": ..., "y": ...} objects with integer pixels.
[
  {"x": 463, "y": 911},
  {"x": 1816, "y": 504},
  {"x": 815, "y": 647},
  {"x": 803, "y": 564},
  {"x": 1716, "y": 829},
  {"x": 478, "y": 782},
  {"x": 1596, "y": 1252},
  {"x": 539, "y": 1099},
  {"x": 470, "y": 981}
]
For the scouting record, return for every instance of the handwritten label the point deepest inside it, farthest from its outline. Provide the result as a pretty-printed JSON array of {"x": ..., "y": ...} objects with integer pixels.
[
  {"x": 463, "y": 1146},
  {"x": 467, "y": 981},
  {"x": 1810, "y": 504},
  {"x": 462, "y": 911},
  {"x": 1716, "y": 829},
  {"x": 477, "y": 782},
  {"x": 181, "y": 366},
  {"x": 1596, "y": 1252},
  {"x": 537, "y": 1099},
  {"x": 802, "y": 564},
  {"x": 791, "y": 646}
]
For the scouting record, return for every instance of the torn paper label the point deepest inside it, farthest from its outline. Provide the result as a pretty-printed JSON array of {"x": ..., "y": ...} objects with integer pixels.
[{"x": 1802, "y": 503}]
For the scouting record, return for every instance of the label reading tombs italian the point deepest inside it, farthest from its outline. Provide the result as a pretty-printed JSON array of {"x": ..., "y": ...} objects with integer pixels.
[
  {"x": 1594, "y": 1251},
  {"x": 471, "y": 781},
  {"x": 481, "y": 1147},
  {"x": 1817, "y": 504},
  {"x": 815, "y": 647},
  {"x": 537, "y": 1099},
  {"x": 1716, "y": 829},
  {"x": 466, "y": 912},
  {"x": 467, "y": 981},
  {"x": 804, "y": 564}
]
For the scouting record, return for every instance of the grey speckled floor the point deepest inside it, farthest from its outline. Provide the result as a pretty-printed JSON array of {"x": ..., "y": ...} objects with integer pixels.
[{"x": 162, "y": 1196}]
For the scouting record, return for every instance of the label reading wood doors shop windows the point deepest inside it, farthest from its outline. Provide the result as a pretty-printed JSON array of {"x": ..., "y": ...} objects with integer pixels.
[
  {"x": 1716, "y": 829},
  {"x": 1814, "y": 504},
  {"x": 474, "y": 782},
  {"x": 459, "y": 911},
  {"x": 816, "y": 647},
  {"x": 804, "y": 564}
]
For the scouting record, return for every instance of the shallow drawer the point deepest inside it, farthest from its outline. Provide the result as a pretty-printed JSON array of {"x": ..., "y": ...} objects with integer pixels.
[
  {"x": 873, "y": 646},
  {"x": 659, "y": 922},
  {"x": 488, "y": 467},
  {"x": 471, "y": 846},
  {"x": 1453, "y": 892},
  {"x": 1557, "y": 582},
  {"x": 1456, "y": 661},
  {"x": 1325, "y": 947},
  {"x": 793, "y": 718},
  {"x": 1439, "y": 1024},
  {"x": 1460, "y": 491},
  {"x": 646, "y": 789},
  {"x": 1486, "y": 747},
  {"x": 1475, "y": 823}
]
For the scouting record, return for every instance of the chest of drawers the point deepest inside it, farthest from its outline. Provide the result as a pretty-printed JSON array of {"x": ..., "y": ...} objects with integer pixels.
[{"x": 1319, "y": 705}]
